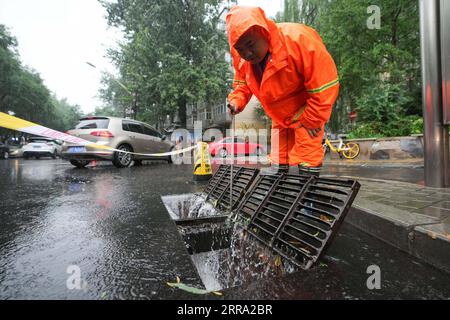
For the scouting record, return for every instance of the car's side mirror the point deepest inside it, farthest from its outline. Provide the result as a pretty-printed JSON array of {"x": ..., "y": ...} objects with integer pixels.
[{"x": 163, "y": 137}]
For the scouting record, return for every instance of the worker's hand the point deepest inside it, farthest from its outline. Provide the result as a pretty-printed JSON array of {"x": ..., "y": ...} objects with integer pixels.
[
  {"x": 313, "y": 132},
  {"x": 234, "y": 110}
]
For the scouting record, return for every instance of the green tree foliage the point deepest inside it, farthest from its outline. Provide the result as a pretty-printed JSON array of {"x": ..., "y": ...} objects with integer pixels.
[
  {"x": 379, "y": 68},
  {"x": 301, "y": 11},
  {"x": 173, "y": 54},
  {"x": 23, "y": 92},
  {"x": 66, "y": 115},
  {"x": 116, "y": 96}
]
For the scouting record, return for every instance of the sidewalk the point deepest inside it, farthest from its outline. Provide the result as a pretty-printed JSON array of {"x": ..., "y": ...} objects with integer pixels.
[
  {"x": 263, "y": 160},
  {"x": 408, "y": 163},
  {"x": 412, "y": 218}
]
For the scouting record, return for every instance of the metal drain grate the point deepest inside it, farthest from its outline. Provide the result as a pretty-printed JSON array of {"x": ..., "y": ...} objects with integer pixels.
[
  {"x": 218, "y": 188},
  {"x": 296, "y": 215},
  {"x": 257, "y": 195}
]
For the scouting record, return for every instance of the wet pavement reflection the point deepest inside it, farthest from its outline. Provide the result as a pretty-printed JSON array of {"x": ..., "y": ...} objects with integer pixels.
[{"x": 110, "y": 223}]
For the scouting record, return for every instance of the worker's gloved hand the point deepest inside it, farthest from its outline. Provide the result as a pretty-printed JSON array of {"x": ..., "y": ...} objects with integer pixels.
[
  {"x": 234, "y": 110},
  {"x": 313, "y": 132}
]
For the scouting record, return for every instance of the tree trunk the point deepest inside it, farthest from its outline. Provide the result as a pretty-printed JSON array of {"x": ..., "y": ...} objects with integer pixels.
[
  {"x": 182, "y": 112},
  {"x": 394, "y": 39},
  {"x": 2, "y": 99}
]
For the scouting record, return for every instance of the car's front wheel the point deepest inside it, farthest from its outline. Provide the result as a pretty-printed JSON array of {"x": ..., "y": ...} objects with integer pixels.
[
  {"x": 54, "y": 154},
  {"x": 123, "y": 159},
  {"x": 80, "y": 164},
  {"x": 4, "y": 155}
]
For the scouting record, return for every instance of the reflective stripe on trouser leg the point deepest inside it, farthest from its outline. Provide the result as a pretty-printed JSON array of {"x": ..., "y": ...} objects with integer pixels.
[{"x": 310, "y": 171}]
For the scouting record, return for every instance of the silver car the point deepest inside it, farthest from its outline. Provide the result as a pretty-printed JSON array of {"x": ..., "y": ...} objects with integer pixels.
[{"x": 121, "y": 134}]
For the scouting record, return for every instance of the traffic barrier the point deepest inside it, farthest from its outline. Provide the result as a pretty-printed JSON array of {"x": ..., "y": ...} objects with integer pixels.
[{"x": 202, "y": 163}]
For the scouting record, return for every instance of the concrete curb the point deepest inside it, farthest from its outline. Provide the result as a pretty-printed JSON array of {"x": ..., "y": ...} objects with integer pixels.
[
  {"x": 415, "y": 241},
  {"x": 422, "y": 235}
]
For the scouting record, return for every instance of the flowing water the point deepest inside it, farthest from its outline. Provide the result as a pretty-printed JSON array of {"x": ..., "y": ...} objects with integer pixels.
[
  {"x": 227, "y": 258},
  {"x": 189, "y": 206},
  {"x": 244, "y": 261}
]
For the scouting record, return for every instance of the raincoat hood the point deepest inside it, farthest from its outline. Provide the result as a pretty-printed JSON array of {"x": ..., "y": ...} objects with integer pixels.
[{"x": 240, "y": 19}]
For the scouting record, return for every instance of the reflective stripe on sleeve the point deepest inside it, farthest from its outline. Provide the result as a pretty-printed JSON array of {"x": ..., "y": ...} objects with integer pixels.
[{"x": 324, "y": 87}]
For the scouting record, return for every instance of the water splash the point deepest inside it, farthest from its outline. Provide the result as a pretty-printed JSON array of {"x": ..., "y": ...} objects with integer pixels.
[
  {"x": 243, "y": 262},
  {"x": 189, "y": 206}
]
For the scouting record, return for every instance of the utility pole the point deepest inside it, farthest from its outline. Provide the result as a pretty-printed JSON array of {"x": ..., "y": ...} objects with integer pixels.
[
  {"x": 133, "y": 108},
  {"x": 435, "y": 48}
]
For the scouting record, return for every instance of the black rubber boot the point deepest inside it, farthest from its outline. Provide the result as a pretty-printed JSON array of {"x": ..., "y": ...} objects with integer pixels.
[{"x": 309, "y": 171}]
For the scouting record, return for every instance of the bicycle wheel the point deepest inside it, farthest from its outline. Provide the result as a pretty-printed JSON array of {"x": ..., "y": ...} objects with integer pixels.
[{"x": 352, "y": 151}]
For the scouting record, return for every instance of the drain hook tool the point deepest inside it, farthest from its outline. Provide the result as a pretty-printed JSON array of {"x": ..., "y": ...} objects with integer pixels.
[{"x": 233, "y": 129}]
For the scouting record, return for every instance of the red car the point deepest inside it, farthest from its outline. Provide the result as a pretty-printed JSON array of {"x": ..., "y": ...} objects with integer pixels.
[{"x": 223, "y": 147}]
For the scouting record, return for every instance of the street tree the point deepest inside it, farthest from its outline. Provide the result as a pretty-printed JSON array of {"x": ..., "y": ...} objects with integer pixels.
[
  {"x": 23, "y": 92},
  {"x": 173, "y": 53},
  {"x": 379, "y": 68}
]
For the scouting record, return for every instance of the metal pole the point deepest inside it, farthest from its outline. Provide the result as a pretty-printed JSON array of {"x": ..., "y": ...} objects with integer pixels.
[
  {"x": 435, "y": 133},
  {"x": 232, "y": 161},
  {"x": 445, "y": 62}
]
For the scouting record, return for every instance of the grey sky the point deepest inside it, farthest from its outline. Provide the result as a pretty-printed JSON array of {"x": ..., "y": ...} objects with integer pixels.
[{"x": 57, "y": 37}]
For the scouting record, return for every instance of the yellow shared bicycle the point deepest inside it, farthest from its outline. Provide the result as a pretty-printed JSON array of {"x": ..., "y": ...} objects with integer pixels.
[{"x": 348, "y": 150}]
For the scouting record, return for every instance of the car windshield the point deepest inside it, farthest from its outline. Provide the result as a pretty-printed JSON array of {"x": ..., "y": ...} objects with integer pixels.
[{"x": 96, "y": 123}]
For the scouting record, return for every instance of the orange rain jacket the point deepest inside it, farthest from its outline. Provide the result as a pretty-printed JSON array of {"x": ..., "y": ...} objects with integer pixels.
[{"x": 300, "y": 83}]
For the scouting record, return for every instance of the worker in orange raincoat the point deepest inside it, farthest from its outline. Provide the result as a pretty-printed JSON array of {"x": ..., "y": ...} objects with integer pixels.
[{"x": 288, "y": 68}]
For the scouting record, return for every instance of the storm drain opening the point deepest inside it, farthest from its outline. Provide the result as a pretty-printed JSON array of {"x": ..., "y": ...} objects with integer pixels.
[
  {"x": 222, "y": 252},
  {"x": 241, "y": 262},
  {"x": 189, "y": 207},
  {"x": 281, "y": 224}
]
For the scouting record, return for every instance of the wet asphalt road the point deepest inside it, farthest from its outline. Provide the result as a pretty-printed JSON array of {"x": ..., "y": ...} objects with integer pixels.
[
  {"x": 113, "y": 226},
  {"x": 110, "y": 223}
]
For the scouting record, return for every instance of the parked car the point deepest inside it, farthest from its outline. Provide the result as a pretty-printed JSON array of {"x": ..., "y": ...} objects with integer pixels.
[
  {"x": 38, "y": 147},
  {"x": 223, "y": 147},
  {"x": 15, "y": 151},
  {"x": 4, "y": 151},
  {"x": 121, "y": 134}
]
